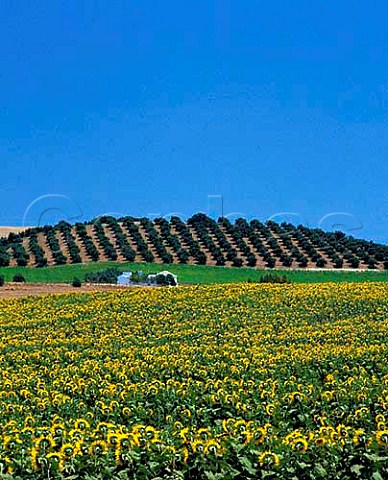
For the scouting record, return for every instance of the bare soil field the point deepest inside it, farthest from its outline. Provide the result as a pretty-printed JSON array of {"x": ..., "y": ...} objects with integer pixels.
[
  {"x": 15, "y": 290},
  {"x": 5, "y": 231}
]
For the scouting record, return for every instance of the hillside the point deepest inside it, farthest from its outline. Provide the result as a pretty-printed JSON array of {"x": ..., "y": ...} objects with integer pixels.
[{"x": 200, "y": 240}]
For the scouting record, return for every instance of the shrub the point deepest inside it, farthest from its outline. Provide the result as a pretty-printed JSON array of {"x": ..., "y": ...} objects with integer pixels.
[
  {"x": 76, "y": 282},
  {"x": 237, "y": 262},
  {"x": 161, "y": 280},
  {"x": 338, "y": 263},
  {"x": 321, "y": 262},
  {"x": 273, "y": 278},
  {"x": 171, "y": 280},
  {"x": 19, "y": 278},
  {"x": 251, "y": 259},
  {"x": 138, "y": 277},
  {"x": 271, "y": 262},
  {"x": 355, "y": 263},
  {"x": 287, "y": 261},
  {"x": 2, "y": 280},
  {"x": 108, "y": 275},
  {"x": 303, "y": 262}
]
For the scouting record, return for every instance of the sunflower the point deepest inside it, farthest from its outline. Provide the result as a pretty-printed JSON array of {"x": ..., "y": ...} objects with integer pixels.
[
  {"x": 185, "y": 454},
  {"x": 198, "y": 446},
  {"x": 380, "y": 418},
  {"x": 343, "y": 431},
  {"x": 134, "y": 439},
  {"x": 10, "y": 443},
  {"x": 239, "y": 426},
  {"x": 81, "y": 424},
  {"x": 57, "y": 430},
  {"x": 151, "y": 432},
  {"x": 227, "y": 424},
  {"x": 69, "y": 450},
  {"x": 299, "y": 444},
  {"x": 27, "y": 432},
  {"x": 98, "y": 447},
  {"x": 56, "y": 460},
  {"x": 44, "y": 442},
  {"x": 123, "y": 441},
  {"x": 269, "y": 459},
  {"x": 113, "y": 439},
  {"x": 34, "y": 455},
  {"x": 74, "y": 433},
  {"x": 334, "y": 436},
  {"x": 259, "y": 435},
  {"x": 212, "y": 447},
  {"x": 360, "y": 412},
  {"x": 297, "y": 397},
  {"x": 320, "y": 441},
  {"x": 183, "y": 434},
  {"x": 359, "y": 437},
  {"x": 203, "y": 433},
  {"x": 382, "y": 438},
  {"x": 381, "y": 426},
  {"x": 327, "y": 395},
  {"x": 126, "y": 411}
]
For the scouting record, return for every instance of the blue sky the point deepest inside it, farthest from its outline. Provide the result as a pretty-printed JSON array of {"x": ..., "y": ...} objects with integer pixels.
[{"x": 150, "y": 107}]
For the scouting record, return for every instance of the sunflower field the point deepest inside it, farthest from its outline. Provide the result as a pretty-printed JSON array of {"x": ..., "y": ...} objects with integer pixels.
[{"x": 238, "y": 381}]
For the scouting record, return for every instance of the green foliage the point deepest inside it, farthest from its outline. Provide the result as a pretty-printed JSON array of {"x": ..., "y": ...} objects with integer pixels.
[
  {"x": 18, "y": 278},
  {"x": 273, "y": 278},
  {"x": 76, "y": 282},
  {"x": 165, "y": 280},
  {"x": 108, "y": 275}
]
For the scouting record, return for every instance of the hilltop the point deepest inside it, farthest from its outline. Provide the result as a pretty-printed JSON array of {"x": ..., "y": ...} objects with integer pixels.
[{"x": 200, "y": 240}]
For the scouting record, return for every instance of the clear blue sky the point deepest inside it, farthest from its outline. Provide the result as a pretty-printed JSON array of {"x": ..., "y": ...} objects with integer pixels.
[{"x": 141, "y": 107}]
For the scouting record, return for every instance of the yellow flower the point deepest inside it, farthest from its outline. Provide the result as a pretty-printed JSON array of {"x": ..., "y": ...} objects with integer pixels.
[
  {"x": 320, "y": 441},
  {"x": 58, "y": 430},
  {"x": 327, "y": 395},
  {"x": 382, "y": 438},
  {"x": 69, "y": 450},
  {"x": 269, "y": 459},
  {"x": 98, "y": 447},
  {"x": 359, "y": 437},
  {"x": 297, "y": 397},
  {"x": 112, "y": 439},
  {"x": 342, "y": 431},
  {"x": 44, "y": 443},
  {"x": 34, "y": 459},
  {"x": 334, "y": 436},
  {"x": 198, "y": 446},
  {"x": 203, "y": 433},
  {"x": 299, "y": 444},
  {"x": 380, "y": 418},
  {"x": 381, "y": 426},
  {"x": 81, "y": 424},
  {"x": 227, "y": 424},
  {"x": 213, "y": 447},
  {"x": 56, "y": 459},
  {"x": 183, "y": 434},
  {"x": 10, "y": 443},
  {"x": 185, "y": 454}
]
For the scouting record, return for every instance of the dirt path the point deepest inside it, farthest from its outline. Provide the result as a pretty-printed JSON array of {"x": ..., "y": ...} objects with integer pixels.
[{"x": 15, "y": 290}]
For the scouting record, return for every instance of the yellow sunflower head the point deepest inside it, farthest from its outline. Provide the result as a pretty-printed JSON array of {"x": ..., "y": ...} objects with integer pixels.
[
  {"x": 299, "y": 444},
  {"x": 269, "y": 459}
]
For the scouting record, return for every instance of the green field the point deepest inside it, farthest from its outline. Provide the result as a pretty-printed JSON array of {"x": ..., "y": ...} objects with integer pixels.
[{"x": 194, "y": 274}]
